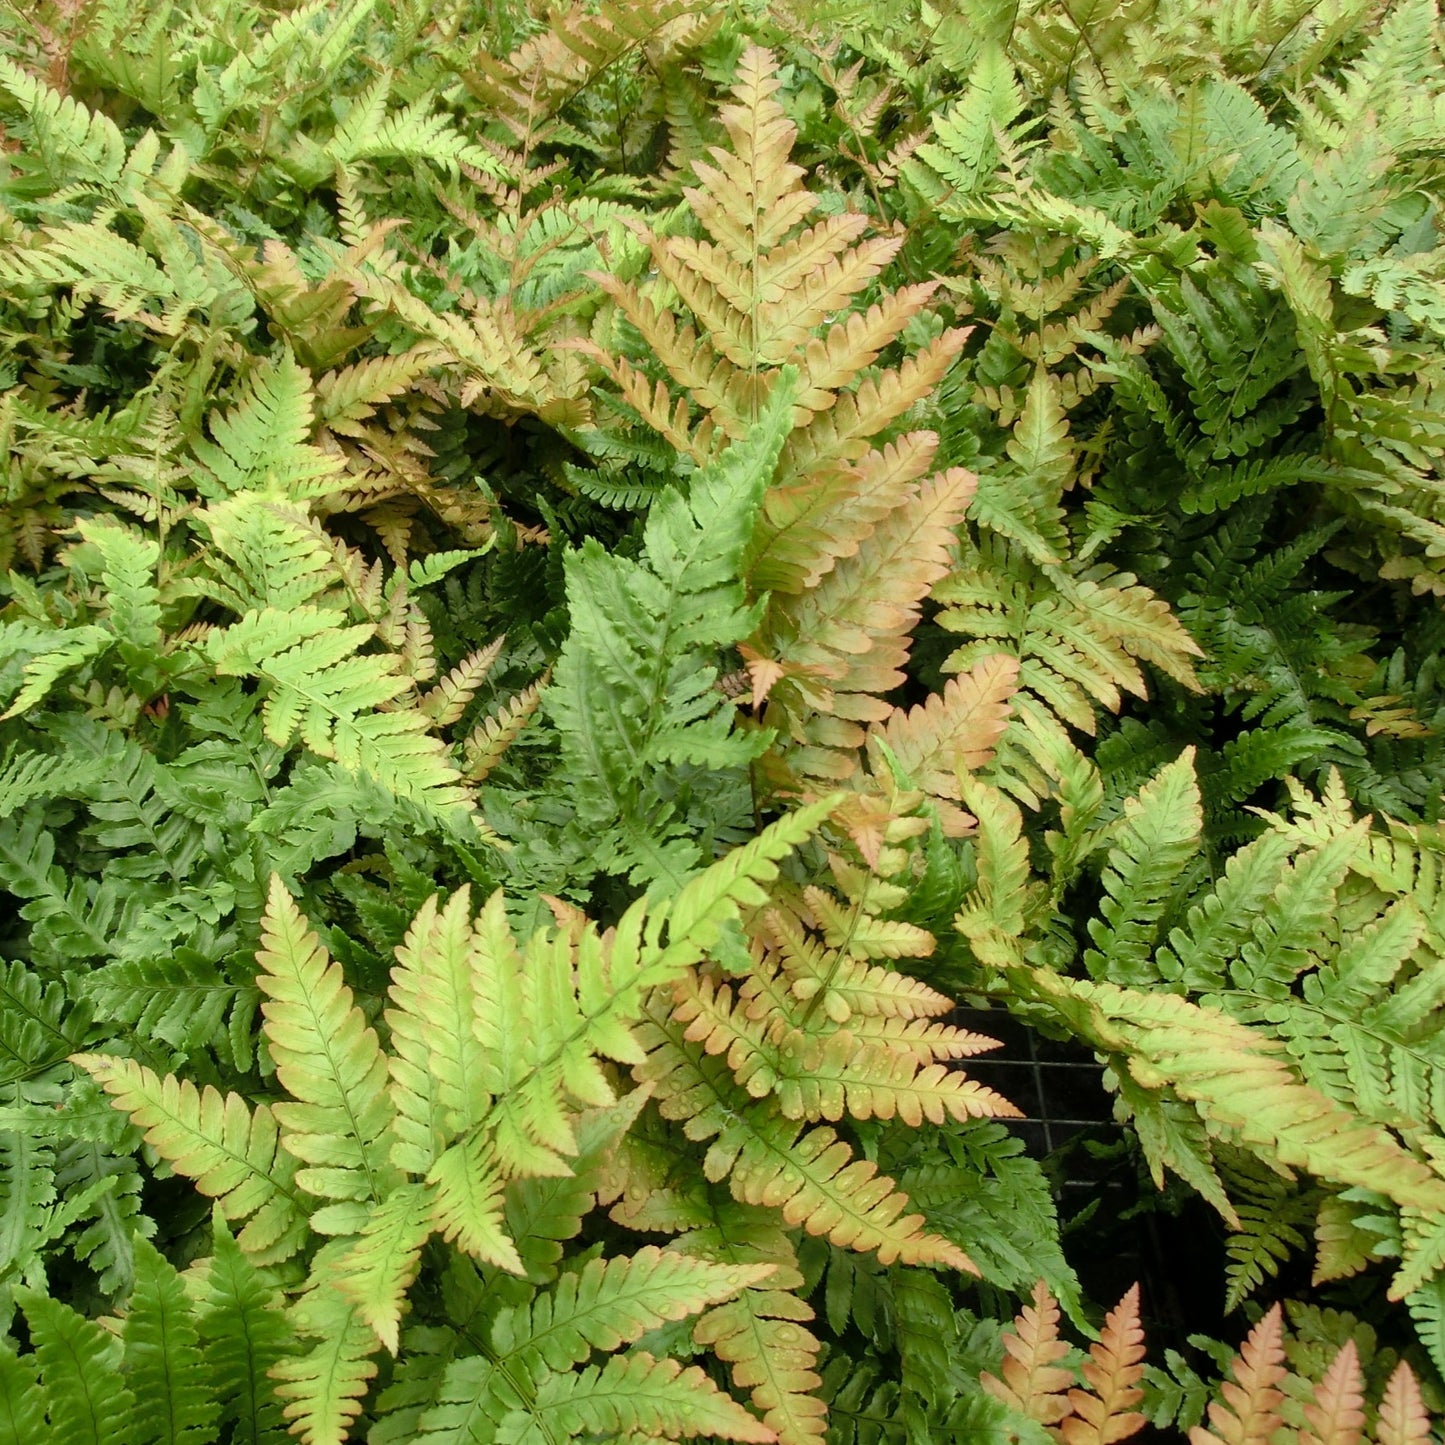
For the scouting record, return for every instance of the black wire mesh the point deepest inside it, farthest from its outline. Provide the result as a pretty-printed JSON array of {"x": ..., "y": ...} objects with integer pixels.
[{"x": 1114, "y": 1231}]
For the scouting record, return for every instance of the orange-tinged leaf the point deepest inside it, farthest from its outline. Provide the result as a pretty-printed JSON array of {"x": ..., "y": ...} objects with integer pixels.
[
  {"x": 1104, "y": 1413},
  {"x": 1336, "y": 1415},
  {"x": 1033, "y": 1383},
  {"x": 1249, "y": 1412},
  {"x": 1403, "y": 1418}
]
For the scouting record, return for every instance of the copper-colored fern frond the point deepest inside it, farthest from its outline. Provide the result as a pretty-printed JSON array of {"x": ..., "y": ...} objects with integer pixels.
[
  {"x": 527, "y": 88},
  {"x": 1249, "y": 1412},
  {"x": 764, "y": 1340},
  {"x": 491, "y": 738},
  {"x": 1336, "y": 1415},
  {"x": 808, "y": 527},
  {"x": 1403, "y": 1417},
  {"x": 954, "y": 730},
  {"x": 1105, "y": 1413},
  {"x": 449, "y": 698},
  {"x": 817, "y": 1027},
  {"x": 852, "y": 632},
  {"x": 1033, "y": 1382},
  {"x": 853, "y": 532},
  {"x": 807, "y": 1173}
]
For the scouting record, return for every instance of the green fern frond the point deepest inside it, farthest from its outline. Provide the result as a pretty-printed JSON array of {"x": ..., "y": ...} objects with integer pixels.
[
  {"x": 1159, "y": 834},
  {"x": 1272, "y": 1213},
  {"x": 243, "y": 1332},
  {"x": 633, "y": 691},
  {"x": 632, "y": 1394},
  {"x": 328, "y": 1059},
  {"x": 1239, "y": 1078},
  {"x": 162, "y": 1361},
  {"x": 39, "y": 1024},
  {"x": 22, "y": 1399},
  {"x": 324, "y": 688},
  {"x": 232, "y": 1153},
  {"x": 325, "y": 1385},
  {"x": 613, "y": 1302},
  {"x": 27, "y": 776},
  {"x": 966, "y": 152},
  {"x": 88, "y": 1400},
  {"x": 437, "y": 1064},
  {"x": 60, "y": 653},
  {"x": 75, "y": 143},
  {"x": 380, "y": 1267},
  {"x": 263, "y": 443},
  {"x": 128, "y": 565}
]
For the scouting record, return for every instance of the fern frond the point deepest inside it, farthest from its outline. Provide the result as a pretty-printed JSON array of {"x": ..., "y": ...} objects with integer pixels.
[
  {"x": 1160, "y": 832},
  {"x": 467, "y": 1203},
  {"x": 448, "y": 700},
  {"x": 1079, "y": 632},
  {"x": 1033, "y": 1383},
  {"x": 87, "y": 1397},
  {"x": 769, "y": 1160},
  {"x": 825, "y": 1075},
  {"x": 994, "y": 912},
  {"x": 62, "y": 652},
  {"x": 26, "y": 776},
  {"x": 485, "y": 745},
  {"x": 325, "y": 688},
  {"x": 1336, "y": 1415},
  {"x": 1249, "y": 1411},
  {"x": 437, "y": 1065},
  {"x": 22, "y": 1400},
  {"x": 350, "y": 396},
  {"x": 613, "y": 1302},
  {"x": 764, "y": 1340},
  {"x": 808, "y": 524},
  {"x": 1242, "y": 1084},
  {"x": 162, "y": 1357},
  {"x": 233, "y": 1153},
  {"x": 38, "y": 1024},
  {"x": 1403, "y": 1418},
  {"x": 528, "y": 87},
  {"x": 330, "y": 1063},
  {"x": 380, "y": 1267},
  {"x": 1104, "y": 1413},
  {"x": 128, "y": 565},
  {"x": 263, "y": 444},
  {"x": 632, "y": 1394},
  {"x": 851, "y": 632},
  {"x": 75, "y": 143},
  {"x": 324, "y": 1387},
  {"x": 967, "y": 152},
  {"x": 954, "y": 731},
  {"x": 633, "y": 689},
  {"x": 1269, "y": 1210},
  {"x": 243, "y": 1333}
]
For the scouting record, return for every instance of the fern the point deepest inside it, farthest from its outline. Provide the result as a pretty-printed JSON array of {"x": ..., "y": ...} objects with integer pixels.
[
  {"x": 634, "y": 696},
  {"x": 458, "y": 471},
  {"x": 357, "y": 1137},
  {"x": 88, "y": 1399},
  {"x": 231, "y": 1152},
  {"x": 163, "y": 1361},
  {"x": 1265, "y": 1398},
  {"x": 242, "y": 1335}
]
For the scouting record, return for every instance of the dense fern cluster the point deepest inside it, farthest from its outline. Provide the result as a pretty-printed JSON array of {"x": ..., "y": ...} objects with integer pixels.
[{"x": 576, "y": 577}]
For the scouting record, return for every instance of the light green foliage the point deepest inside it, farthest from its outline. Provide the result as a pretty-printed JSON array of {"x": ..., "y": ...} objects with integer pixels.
[
  {"x": 1312, "y": 968},
  {"x": 359, "y": 1122}
]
